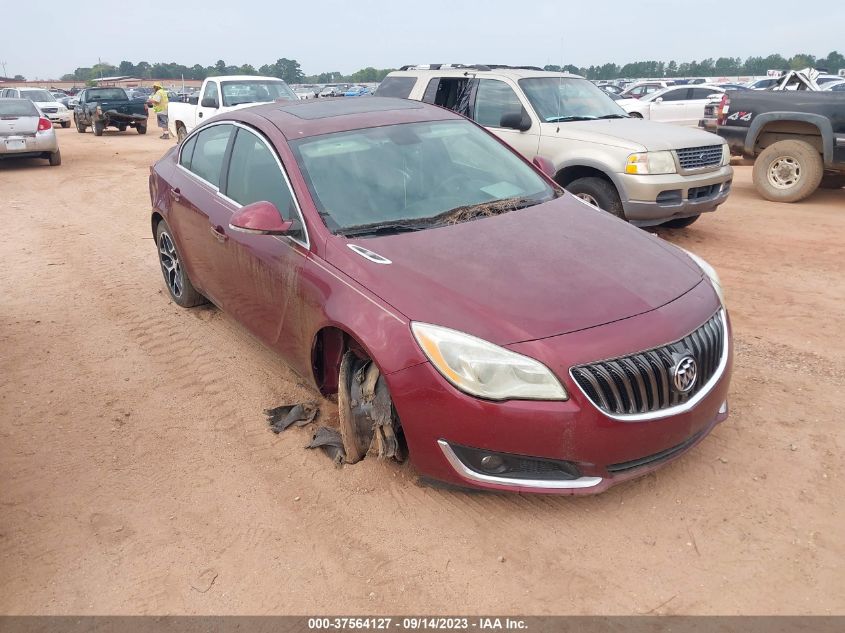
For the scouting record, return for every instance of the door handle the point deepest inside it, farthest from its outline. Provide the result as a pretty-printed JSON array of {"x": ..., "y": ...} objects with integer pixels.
[
  {"x": 218, "y": 233},
  {"x": 199, "y": 115}
]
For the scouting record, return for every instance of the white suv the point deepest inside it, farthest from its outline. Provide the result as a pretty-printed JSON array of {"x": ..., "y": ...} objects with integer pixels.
[{"x": 646, "y": 172}]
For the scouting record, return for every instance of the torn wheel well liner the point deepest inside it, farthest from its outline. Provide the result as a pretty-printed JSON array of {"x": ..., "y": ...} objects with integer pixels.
[{"x": 327, "y": 351}]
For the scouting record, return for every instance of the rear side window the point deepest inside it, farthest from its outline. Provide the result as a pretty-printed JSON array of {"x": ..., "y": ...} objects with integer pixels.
[
  {"x": 398, "y": 87},
  {"x": 207, "y": 158},
  {"x": 187, "y": 152},
  {"x": 254, "y": 175},
  {"x": 495, "y": 98}
]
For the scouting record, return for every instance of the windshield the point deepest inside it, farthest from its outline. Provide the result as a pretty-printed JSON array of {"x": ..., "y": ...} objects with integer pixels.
[
  {"x": 17, "y": 107},
  {"x": 106, "y": 94},
  {"x": 258, "y": 91},
  {"x": 569, "y": 99},
  {"x": 38, "y": 96},
  {"x": 413, "y": 173}
]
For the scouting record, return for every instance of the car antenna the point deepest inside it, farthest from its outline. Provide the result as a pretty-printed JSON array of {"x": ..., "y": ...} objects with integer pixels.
[{"x": 559, "y": 86}]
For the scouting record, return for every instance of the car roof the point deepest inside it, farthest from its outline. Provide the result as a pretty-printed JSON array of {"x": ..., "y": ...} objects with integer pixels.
[
  {"x": 298, "y": 119},
  {"x": 516, "y": 73}
]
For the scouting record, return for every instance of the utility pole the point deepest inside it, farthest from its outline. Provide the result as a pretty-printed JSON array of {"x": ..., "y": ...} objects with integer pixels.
[{"x": 3, "y": 64}]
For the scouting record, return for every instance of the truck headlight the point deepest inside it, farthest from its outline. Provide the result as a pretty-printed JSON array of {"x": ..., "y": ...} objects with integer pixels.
[
  {"x": 483, "y": 369},
  {"x": 710, "y": 272},
  {"x": 651, "y": 163},
  {"x": 726, "y": 154}
]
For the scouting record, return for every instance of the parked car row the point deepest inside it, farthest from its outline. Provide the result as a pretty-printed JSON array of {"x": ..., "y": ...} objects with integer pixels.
[{"x": 44, "y": 100}]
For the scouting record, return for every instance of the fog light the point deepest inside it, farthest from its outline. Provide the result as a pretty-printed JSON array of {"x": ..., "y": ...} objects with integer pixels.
[{"x": 493, "y": 463}]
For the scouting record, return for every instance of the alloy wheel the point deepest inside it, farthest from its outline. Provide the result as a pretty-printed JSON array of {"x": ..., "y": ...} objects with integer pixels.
[
  {"x": 170, "y": 265},
  {"x": 588, "y": 199}
]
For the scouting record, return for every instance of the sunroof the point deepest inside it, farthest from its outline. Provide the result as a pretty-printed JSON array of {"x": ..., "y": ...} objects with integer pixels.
[{"x": 339, "y": 106}]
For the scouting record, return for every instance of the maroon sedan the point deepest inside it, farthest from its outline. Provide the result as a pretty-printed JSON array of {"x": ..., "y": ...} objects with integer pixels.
[{"x": 466, "y": 311}]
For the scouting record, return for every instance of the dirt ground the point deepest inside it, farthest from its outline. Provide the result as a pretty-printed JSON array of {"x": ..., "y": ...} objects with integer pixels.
[{"x": 138, "y": 475}]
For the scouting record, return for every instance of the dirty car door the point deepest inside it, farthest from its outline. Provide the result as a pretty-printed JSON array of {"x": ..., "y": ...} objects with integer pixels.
[{"x": 263, "y": 270}]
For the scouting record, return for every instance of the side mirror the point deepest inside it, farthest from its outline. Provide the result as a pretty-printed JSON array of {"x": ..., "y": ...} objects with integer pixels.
[
  {"x": 659, "y": 100},
  {"x": 260, "y": 218},
  {"x": 516, "y": 121},
  {"x": 209, "y": 102},
  {"x": 545, "y": 165}
]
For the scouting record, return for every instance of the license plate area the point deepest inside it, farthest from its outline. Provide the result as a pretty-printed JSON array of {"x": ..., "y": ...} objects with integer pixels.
[{"x": 15, "y": 144}]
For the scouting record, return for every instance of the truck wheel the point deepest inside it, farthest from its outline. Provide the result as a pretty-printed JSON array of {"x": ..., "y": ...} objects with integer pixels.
[
  {"x": 787, "y": 171},
  {"x": 679, "y": 223},
  {"x": 142, "y": 129},
  {"x": 79, "y": 127},
  {"x": 181, "y": 132},
  {"x": 832, "y": 181},
  {"x": 55, "y": 158},
  {"x": 66, "y": 124},
  {"x": 599, "y": 193},
  {"x": 121, "y": 128},
  {"x": 98, "y": 128},
  {"x": 176, "y": 279}
]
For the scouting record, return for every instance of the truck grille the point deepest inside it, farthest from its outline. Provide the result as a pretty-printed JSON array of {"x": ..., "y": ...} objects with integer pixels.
[
  {"x": 645, "y": 382},
  {"x": 692, "y": 158}
]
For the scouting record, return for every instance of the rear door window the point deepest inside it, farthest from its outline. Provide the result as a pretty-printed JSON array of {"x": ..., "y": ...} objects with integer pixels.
[
  {"x": 702, "y": 93},
  {"x": 397, "y": 87},
  {"x": 676, "y": 95},
  {"x": 494, "y": 99},
  {"x": 209, "y": 150}
]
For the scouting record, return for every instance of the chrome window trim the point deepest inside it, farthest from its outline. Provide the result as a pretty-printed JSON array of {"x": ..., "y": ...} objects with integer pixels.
[
  {"x": 679, "y": 408},
  {"x": 307, "y": 242},
  {"x": 549, "y": 484}
]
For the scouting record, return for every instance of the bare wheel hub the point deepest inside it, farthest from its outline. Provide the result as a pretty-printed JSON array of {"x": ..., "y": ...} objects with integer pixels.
[{"x": 784, "y": 172}]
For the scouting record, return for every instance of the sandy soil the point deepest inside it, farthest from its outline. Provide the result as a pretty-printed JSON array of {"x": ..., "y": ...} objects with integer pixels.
[{"x": 137, "y": 474}]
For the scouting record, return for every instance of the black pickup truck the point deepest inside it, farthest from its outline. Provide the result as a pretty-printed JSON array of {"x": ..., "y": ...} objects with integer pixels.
[
  {"x": 99, "y": 108},
  {"x": 797, "y": 139}
]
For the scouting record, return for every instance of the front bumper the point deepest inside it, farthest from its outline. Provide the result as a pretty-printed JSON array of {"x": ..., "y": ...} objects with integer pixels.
[
  {"x": 654, "y": 199},
  {"x": 58, "y": 117},
  {"x": 435, "y": 416}
]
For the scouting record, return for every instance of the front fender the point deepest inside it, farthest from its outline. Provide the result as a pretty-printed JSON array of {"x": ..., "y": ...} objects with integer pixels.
[{"x": 822, "y": 123}]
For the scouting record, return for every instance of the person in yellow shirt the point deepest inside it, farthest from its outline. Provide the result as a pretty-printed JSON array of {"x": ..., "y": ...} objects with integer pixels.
[{"x": 158, "y": 102}]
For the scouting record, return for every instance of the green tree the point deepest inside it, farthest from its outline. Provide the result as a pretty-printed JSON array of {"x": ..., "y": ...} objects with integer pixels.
[
  {"x": 19, "y": 78},
  {"x": 126, "y": 68}
]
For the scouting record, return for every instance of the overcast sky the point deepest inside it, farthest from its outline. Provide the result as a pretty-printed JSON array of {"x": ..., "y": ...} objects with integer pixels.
[{"x": 49, "y": 38}]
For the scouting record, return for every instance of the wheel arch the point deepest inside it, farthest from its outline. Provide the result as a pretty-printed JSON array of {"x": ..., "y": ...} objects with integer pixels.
[
  {"x": 328, "y": 346},
  {"x": 568, "y": 173},
  {"x": 771, "y": 127}
]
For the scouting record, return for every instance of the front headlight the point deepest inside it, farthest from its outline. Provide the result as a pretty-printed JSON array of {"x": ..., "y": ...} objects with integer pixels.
[
  {"x": 483, "y": 369},
  {"x": 711, "y": 273},
  {"x": 651, "y": 163},
  {"x": 726, "y": 154}
]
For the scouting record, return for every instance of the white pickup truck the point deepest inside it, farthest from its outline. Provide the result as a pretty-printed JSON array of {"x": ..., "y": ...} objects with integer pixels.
[{"x": 224, "y": 94}]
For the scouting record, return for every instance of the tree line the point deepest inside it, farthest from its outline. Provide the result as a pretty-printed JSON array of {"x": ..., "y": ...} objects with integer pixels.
[
  {"x": 291, "y": 72},
  {"x": 723, "y": 66},
  {"x": 283, "y": 68}
]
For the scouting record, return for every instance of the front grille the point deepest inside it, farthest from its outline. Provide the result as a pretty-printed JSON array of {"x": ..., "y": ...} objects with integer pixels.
[
  {"x": 692, "y": 158},
  {"x": 644, "y": 382},
  {"x": 704, "y": 193}
]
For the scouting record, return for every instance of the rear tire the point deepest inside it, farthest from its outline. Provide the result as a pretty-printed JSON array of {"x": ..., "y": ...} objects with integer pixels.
[
  {"x": 787, "y": 171},
  {"x": 181, "y": 132},
  {"x": 98, "y": 128},
  {"x": 56, "y": 158},
  {"x": 832, "y": 181},
  {"x": 599, "y": 193},
  {"x": 142, "y": 129},
  {"x": 79, "y": 127},
  {"x": 121, "y": 128},
  {"x": 679, "y": 223},
  {"x": 179, "y": 285}
]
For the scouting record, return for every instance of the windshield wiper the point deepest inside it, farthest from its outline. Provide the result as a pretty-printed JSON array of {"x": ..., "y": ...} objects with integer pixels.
[
  {"x": 382, "y": 228},
  {"x": 615, "y": 116},
  {"x": 484, "y": 209},
  {"x": 558, "y": 119}
]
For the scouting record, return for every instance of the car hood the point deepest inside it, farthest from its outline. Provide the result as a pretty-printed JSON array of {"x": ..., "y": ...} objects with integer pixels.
[
  {"x": 632, "y": 134},
  {"x": 533, "y": 273}
]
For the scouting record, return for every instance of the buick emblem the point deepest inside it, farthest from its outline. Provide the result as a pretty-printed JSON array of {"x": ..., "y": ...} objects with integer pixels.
[{"x": 684, "y": 374}]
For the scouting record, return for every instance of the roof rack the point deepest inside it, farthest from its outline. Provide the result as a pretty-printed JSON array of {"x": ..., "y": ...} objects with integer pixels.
[{"x": 466, "y": 67}]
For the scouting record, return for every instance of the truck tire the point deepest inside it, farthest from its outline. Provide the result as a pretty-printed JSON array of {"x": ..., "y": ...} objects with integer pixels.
[
  {"x": 832, "y": 181},
  {"x": 121, "y": 128},
  {"x": 787, "y": 171},
  {"x": 142, "y": 129},
  {"x": 79, "y": 127},
  {"x": 55, "y": 158},
  {"x": 181, "y": 132},
  {"x": 599, "y": 193},
  {"x": 98, "y": 128}
]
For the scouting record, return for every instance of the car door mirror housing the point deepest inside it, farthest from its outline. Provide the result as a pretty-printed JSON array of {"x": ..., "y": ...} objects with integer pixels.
[
  {"x": 516, "y": 121},
  {"x": 659, "y": 100},
  {"x": 209, "y": 102},
  {"x": 260, "y": 218},
  {"x": 545, "y": 165}
]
